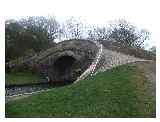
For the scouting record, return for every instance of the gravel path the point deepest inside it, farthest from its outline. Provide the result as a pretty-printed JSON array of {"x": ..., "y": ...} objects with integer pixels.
[
  {"x": 149, "y": 70},
  {"x": 18, "y": 92},
  {"x": 15, "y": 90}
]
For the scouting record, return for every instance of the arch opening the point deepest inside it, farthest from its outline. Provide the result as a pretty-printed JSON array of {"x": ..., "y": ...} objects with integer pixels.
[{"x": 66, "y": 69}]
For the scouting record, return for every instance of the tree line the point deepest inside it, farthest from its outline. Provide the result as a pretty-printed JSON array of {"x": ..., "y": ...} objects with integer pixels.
[{"x": 26, "y": 37}]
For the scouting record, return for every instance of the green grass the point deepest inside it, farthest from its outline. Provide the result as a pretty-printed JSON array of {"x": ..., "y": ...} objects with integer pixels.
[
  {"x": 16, "y": 78},
  {"x": 115, "y": 93}
]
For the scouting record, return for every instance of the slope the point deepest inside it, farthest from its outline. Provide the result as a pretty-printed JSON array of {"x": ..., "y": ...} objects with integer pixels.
[{"x": 123, "y": 91}]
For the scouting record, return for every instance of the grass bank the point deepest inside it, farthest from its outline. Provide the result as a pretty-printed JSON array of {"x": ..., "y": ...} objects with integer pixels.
[
  {"x": 119, "y": 92},
  {"x": 18, "y": 78}
]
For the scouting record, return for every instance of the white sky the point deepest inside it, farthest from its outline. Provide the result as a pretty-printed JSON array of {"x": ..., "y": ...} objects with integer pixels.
[{"x": 142, "y": 13}]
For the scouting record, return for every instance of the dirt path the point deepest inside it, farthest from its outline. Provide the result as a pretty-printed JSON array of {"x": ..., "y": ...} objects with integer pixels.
[
  {"x": 148, "y": 68},
  {"x": 20, "y": 96}
]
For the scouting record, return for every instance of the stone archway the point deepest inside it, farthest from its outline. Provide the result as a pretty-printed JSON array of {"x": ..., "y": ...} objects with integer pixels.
[
  {"x": 66, "y": 69},
  {"x": 64, "y": 62}
]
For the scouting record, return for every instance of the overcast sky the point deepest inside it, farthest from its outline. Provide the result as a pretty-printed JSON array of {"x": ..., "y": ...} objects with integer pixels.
[{"x": 142, "y": 13}]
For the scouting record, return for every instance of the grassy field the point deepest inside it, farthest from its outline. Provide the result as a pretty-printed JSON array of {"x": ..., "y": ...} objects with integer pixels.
[
  {"x": 120, "y": 92},
  {"x": 16, "y": 78}
]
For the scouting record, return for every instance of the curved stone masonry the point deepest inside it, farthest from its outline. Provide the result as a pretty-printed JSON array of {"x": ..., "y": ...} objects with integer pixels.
[{"x": 69, "y": 61}]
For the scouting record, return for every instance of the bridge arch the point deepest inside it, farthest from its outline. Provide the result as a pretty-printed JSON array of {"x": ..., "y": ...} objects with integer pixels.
[
  {"x": 68, "y": 60},
  {"x": 65, "y": 69}
]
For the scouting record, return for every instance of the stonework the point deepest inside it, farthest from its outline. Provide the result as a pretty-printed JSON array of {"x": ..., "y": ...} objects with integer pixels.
[
  {"x": 67, "y": 61},
  {"x": 73, "y": 60}
]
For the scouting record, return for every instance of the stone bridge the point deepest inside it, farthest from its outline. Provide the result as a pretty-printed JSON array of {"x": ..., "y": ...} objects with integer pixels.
[
  {"x": 66, "y": 61},
  {"x": 73, "y": 60}
]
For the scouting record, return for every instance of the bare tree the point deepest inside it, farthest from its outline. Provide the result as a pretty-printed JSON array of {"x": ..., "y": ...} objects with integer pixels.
[
  {"x": 54, "y": 28},
  {"x": 153, "y": 49},
  {"x": 48, "y": 24},
  {"x": 98, "y": 33},
  {"x": 91, "y": 34},
  {"x": 28, "y": 35},
  {"x": 143, "y": 35},
  {"x": 74, "y": 28},
  {"x": 122, "y": 32},
  {"x": 127, "y": 34}
]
